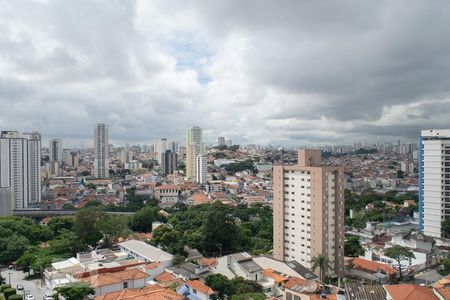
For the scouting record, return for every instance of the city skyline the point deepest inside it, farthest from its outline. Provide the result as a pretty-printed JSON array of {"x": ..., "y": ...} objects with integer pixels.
[{"x": 285, "y": 78}]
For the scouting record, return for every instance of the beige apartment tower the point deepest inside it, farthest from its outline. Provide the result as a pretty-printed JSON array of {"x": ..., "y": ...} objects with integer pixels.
[{"x": 308, "y": 212}]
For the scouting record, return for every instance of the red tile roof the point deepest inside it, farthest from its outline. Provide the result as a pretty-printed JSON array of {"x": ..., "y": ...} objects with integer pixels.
[{"x": 409, "y": 292}]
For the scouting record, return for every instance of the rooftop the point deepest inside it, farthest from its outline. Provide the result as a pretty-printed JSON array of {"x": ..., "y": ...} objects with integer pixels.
[
  {"x": 409, "y": 292},
  {"x": 145, "y": 250}
]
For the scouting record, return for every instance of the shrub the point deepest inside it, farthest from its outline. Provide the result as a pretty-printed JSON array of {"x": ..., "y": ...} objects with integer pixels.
[
  {"x": 8, "y": 292},
  {"x": 2, "y": 297},
  {"x": 15, "y": 297},
  {"x": 4, "y": 287}
]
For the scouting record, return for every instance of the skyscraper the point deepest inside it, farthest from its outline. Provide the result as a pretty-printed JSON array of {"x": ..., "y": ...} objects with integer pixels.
[
  {"x": 169, "y": 162},
  {"x": 161, "y": 147},
  {"x": 194, "y": 147},
  {"x": 221, "y": 141},
  {"x": 434, "y": 180},
  {"x": 56, "y": 150},
  {"x": 201, "y": 169},
  {"x": 308, "y": 212},
  {"x": 101, "y": 151},
  {"x": 20, "y": 162},
  {"x": 71, "y": 158}
]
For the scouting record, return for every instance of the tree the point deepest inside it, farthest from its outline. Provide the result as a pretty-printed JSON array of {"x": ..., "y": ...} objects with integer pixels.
[
  {"x": 399, "y": 253},
  {"x": 57, "y": 224},
  {"x": 75, "y": 290},
  {"x": 142, "y": 220},
  {"x": 221, "y": 284},
  {"x": 168, "y": 238},
  {"x": 249, "y": 296},
  {"x": 25, "y": 262},
  {"x": 87, "y": 223},
  {"x": 352, "y": 247},
  {"x": 2, "y": 280},
  {"x": 446, "y": 228},
  {"x": 320, "y": 261},
  {"x": 245, "y": 286}
]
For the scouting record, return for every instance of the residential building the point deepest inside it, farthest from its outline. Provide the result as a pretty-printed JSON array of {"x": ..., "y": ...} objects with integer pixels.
[
  {"x": 126, "y": 156},
  {"x": 194, "y": 147},
  {"x": 196, "y": 290},
  {"x": 101, "y": 151},
  {"x": 228, "y": 143},
  {"x": 408, "y": 292},
  {"x": 116, "y": 281},
  {"x": 145, "y": 252},
  {"x": 221, "y": 141},
  {"x": 434, "y": 180},
  {"x": 71, "y": 158},
  {"x": 150, "y": 292},
  {"x": 308, "y": 204},
  {"x": 5, "y": 201},
  {"x": 167, "y": 194},
  {"x": 20, "y": 163},
  {"x": 169, "y": 162},
  {"x": 202, "y": 169},
  {"x": 160, "y": 148},
  {"x": 55, "y": 150}
]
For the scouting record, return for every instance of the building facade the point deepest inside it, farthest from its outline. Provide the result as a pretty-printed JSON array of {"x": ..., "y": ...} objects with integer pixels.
[
  {"x": 55, "y": 150},
  {"x": 101, "y": 151},
  {"x": 194, "y": 147},
  {"x": 20, "y": 163},
  {"x": 308, "y": 209},
  {"x": 201, "y": 169},
  {"x": 221, "y": 141},
  {"x": 434, "y": 180},
  {"x": 169, "y": 162}
]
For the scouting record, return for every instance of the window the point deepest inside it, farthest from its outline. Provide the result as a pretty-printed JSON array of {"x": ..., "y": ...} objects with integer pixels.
[
  {"x": 125, "y": 285},
  {"x": 194, "y": 291}
]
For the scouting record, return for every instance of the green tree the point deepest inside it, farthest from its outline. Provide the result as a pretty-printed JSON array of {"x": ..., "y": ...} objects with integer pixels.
[
  {"x": 11, "y": 248},
  {"x": 352, "y": 247},
  {"x": 57, "y": 224},
  {"x": 320, "y": 261},
  {"x": 249, "y": 296},
  {"x": 25, "y": 262},
  {"x": 168, "y": 238},
  {"x": 65, "y": 244},
  {"x": 399, "y": 253},
  {"x": 446, "y": 228},
  {"x": 222, "y": 285},
  {"x": 75, "y": 291},
  {"x": 87, "y": 225},
  {"x": 244, "y": 286},
  {"x": 143, "y": 219}
]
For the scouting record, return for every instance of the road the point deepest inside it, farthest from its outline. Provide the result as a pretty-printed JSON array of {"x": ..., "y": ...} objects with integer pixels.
[{"x": 30, "y": 286}]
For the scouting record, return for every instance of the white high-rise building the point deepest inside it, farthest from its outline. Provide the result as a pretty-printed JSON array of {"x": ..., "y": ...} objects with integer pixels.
[
  {"x": 221, "y": 141},
  {"x": 434, "y": 180},
  {"x": 126, "y": 156},
  {"x": 56, "y": 150},
  {"x": 194, "y": 147},
  {"x": 201, "y": 169},
  {"x": 101, "y": 151},
  {"x": 161, "y": 147},
  {"x": 20, "y": 162}
]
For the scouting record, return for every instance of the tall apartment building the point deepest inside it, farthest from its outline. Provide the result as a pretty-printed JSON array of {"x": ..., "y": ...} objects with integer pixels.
[
  {"x": 221, "y": 141},
  {"x": 101, "y": 151},
  {"x": 20, "y": 174},
  {"x": 201, "y": 169},
  {"x": 126, "y": 156},
  {"x": 71, "y": 158},
  {"x": 160, "y": 147},
  {"x": 169, "y": 162},
  {"x": 308, "y": 212},
  {"x": 434, "y": 180},
  {"x": 194, "y": 147},
  {"x": 55, "y": 148}
]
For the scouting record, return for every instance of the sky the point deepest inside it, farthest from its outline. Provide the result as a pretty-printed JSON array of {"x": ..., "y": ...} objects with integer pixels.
[{"x": 280, "y": 72}]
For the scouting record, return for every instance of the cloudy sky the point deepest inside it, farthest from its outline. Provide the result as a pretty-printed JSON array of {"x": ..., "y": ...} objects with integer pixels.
[{"x": 280, "y": 72}]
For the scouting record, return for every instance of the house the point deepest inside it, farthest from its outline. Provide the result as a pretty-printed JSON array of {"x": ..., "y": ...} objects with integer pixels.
[
  {"x": 273, "y": 282},
  {"x": 300, "y": 289},
  {"x": 116, "y": 281},
  {"x": 374, "y": 271},
  {"x": 151, "y": 292},
  {"x": 167, "y": 195},
  {"x": 239, "y": 264},
  {"x": 153, "y": 269},
  {"x": 196, "y": 290},
  {"x": 145, "y": 252},
  {"x": 408, "y": 292},
  {"x": 442, "y": 288},
  {"x": 359, "y": 291},
  {"x": 188, "y": 271}
]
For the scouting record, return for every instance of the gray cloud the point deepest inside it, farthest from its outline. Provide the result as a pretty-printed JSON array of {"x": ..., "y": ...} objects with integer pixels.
[{"x": 267, "y": 72}]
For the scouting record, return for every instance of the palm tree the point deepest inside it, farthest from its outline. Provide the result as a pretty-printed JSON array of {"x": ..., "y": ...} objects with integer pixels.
[{"x": 320, "y": 261}]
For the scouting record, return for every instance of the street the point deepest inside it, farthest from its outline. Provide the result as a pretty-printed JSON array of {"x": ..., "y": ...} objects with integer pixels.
[{"x": 30, "y": 286}]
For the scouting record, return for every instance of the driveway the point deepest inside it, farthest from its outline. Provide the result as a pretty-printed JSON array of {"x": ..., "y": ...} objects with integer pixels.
[{"x": 30, "y": 286}]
